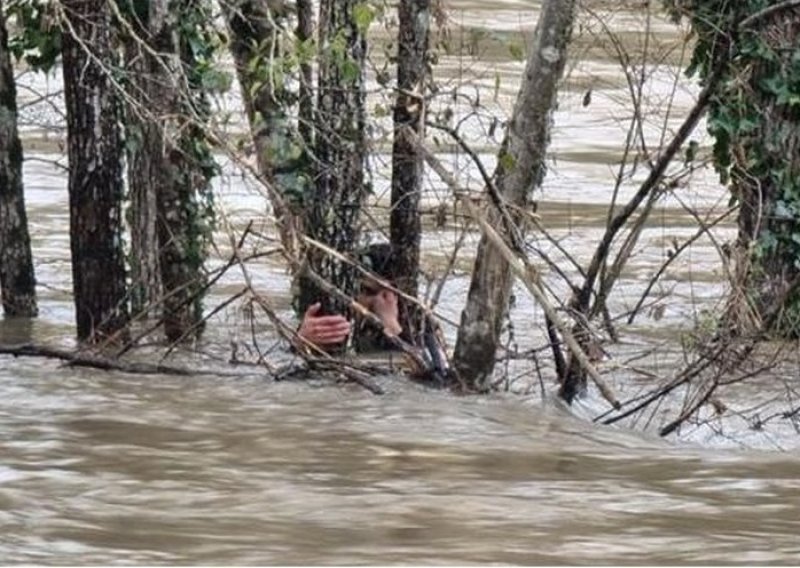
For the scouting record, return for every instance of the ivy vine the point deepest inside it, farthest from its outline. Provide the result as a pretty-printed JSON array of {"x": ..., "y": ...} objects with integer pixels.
[
  {"x": 36, "y": 40},
  {"x": 754, "y": 119}
]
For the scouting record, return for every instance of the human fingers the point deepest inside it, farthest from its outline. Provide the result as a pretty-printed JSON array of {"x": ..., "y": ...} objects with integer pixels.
[
  {"x": 331, "y": 339},
  {"x": 331, "y": 335},
  {"x": 307, "y": 325},
  {"x": 333, "y": 328},
  {"x": 330, "y": 320},
  {"x": 313, "y": 309},
  {"x": 385, "y": 303}
]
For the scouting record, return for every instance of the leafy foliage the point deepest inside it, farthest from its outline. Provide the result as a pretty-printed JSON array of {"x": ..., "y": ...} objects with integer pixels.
[
  {"x": 199, "y": 43},
  {"x": 752, "y": 117},
  {"x": 36, "y": 38}
]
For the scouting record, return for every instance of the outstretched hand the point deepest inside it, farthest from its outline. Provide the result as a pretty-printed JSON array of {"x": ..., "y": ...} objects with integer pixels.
[{"x": 321, "y": 329}]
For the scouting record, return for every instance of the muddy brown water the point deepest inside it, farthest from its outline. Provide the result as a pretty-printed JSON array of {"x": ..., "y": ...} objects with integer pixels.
[
  {"x": 110, "y": 468},
  {"x": 107, "y": 469}
]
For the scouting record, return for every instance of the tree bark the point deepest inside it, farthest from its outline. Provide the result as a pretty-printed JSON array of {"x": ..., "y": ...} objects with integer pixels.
[
  {"x": 145, "y": 147},
  {"x": 17, "y": 281},
  {"x": 769, "y": 220},
  {"x": 257, "y": 47},
  {"x": 521, "y": 168},
  {"x": 340, "y": 152},
  {"x": 146, "y": 287},
  {"x": 185, "y": 216},
  {"x": 169, "y": 161},
  {"x": 95, "y": 174},
  {"x": 305, "y": 35},
  {"x": 407, "y": 163}
]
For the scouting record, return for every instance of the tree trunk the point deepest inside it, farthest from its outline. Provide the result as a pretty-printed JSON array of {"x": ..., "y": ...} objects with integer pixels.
[
  {"x": 146, "y": 287},
  {"x": 521, "y": 168},
  {"x": 17, "y": 281},
  {"x": 145, "y": 144},
  {"x": 766, "y": 180},
  {"x": 340, "y": 153},
  {"x": 180, "y": 257},
  {"x": 305, "y": 35},
  {"x": 257, "y": 47},
  {"x": 169, "y": 162},
  {"x": 185, "y": 214},
  {"x": 407, "y": 164},
  {"x": 95, "y": 170}
]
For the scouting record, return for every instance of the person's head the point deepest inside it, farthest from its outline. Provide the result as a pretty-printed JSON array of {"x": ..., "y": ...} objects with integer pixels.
[{"x": 378, "y": 258}]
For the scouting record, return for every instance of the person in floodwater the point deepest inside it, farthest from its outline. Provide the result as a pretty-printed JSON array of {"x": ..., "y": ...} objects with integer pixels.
[
  {"x": 329, "y": 330},
  {"x": 425, "y": 343}
]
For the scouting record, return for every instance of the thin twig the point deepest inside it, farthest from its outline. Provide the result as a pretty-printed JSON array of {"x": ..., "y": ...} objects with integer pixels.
[
  {"x": 768, "y": 11},
  {"x": 704, "y": 229}
]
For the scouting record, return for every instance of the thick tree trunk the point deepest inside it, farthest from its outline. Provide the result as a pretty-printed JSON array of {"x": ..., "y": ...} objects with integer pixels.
[
  {"x": 340, "y": 153},
  {"x": 146, "y": 172},
  {"x": 257, "y": 47},
  {"x": 767, "y": 251},
  {"x": 407, "y": 164},
  {"x": 17, "y": 282},
  {"x": 146, "y": 287},
  {"x": 95, "y": 170},
  {"x": 179, "y": 257},
  {"x": 168, "y": 163},
  {"x": 183, "y": 202},
  {"x": 521, "y": 168}
]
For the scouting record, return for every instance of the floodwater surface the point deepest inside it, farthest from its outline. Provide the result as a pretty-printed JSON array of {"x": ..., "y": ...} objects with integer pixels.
[{"x": 106, "y": 469}]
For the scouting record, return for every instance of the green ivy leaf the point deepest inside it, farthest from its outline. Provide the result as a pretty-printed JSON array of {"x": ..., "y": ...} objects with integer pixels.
[
  {"x": 350, "y": 70},
  {"x": 507, "y": 161},
  {"x": 783, "y": 210},
  {"x": 217, "y": 81},
  {"x": 363, "y": 15}
]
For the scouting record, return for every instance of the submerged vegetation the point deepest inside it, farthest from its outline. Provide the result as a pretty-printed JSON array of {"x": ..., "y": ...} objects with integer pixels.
[{"x": 326, "y": 95}]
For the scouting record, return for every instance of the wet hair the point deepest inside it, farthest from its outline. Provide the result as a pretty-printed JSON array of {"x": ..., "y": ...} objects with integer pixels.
[{"x": 380, "y": 259}]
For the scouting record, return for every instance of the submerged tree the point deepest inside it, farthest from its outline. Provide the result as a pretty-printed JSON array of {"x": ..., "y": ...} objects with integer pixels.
[
  {"x": 168, "y": 47},
  {"x": 17, "y": 282},
  {"x": 755, "y": 120},
  {"x": 520, "y": 170},
  {"x": 168, "y": 50},
  {"x": 332, "y": 211},
  {"x": 150, "y": 88},
  {"x": 95, "y": 169},
  {"x": 185, "y": 203},
  {"x": 267, "y": 63},
  {"x": 407, "y": 164}
]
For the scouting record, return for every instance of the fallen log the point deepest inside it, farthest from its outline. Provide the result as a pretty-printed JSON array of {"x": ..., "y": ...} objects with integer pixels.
[
  {"x": 94, "y": 361},
  {"x": 97, "y": 361}
]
